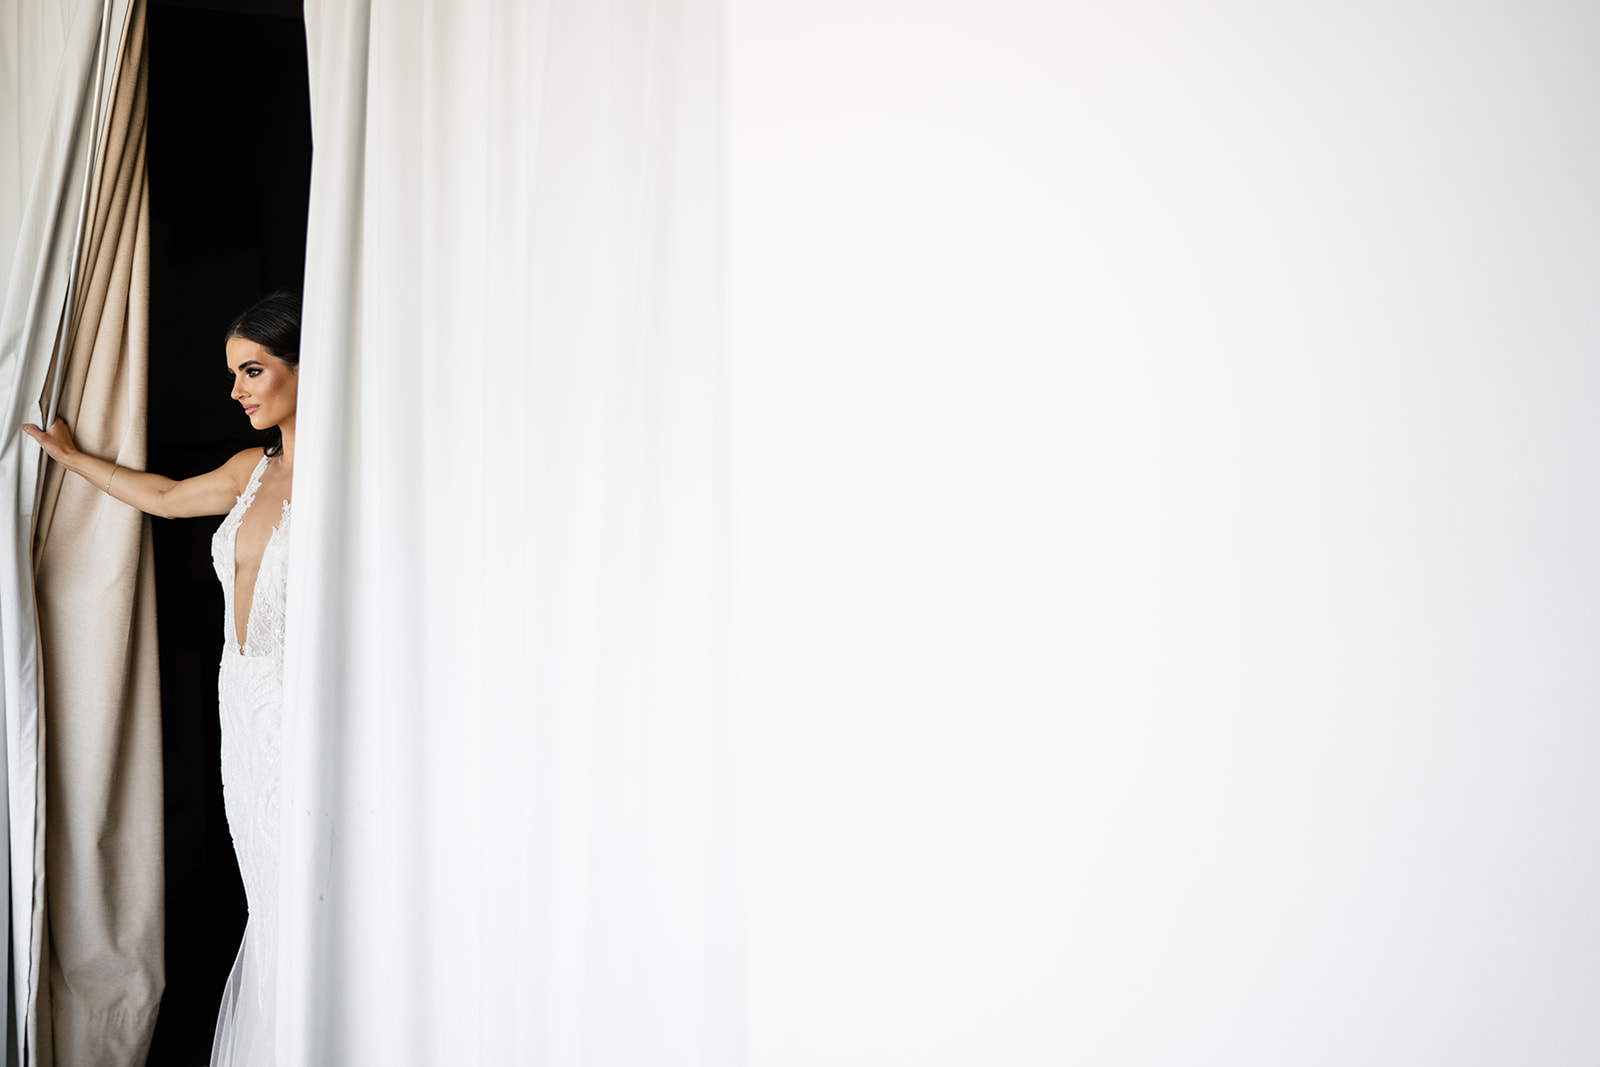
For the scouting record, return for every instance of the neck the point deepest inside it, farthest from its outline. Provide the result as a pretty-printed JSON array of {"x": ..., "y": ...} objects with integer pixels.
[{"x": 286, "y": 457}]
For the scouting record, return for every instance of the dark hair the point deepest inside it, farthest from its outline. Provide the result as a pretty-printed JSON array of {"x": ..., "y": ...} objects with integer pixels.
[{"x": 273, "y": 322}]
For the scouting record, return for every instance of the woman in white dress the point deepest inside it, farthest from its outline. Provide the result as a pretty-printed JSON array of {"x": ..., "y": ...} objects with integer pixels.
[{"x": 250, "y": 551}]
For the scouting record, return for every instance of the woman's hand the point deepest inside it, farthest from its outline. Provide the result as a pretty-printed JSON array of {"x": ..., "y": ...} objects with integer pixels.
[{"x": 57, "y": 444}]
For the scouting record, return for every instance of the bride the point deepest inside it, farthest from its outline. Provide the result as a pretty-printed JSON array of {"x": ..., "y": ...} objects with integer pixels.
[{"x": 250, "y": 551}]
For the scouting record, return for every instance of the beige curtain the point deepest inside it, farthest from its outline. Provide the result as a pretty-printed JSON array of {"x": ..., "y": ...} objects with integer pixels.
[{"x": 98, "y": 961}]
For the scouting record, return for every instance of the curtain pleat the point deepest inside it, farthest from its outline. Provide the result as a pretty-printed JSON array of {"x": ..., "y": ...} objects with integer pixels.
[
  {"x": 100, "y": 961},
  {"x": 507, "y": 814}
]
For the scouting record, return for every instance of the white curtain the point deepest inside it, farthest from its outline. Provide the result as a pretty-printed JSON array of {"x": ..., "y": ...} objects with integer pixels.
[
  {"x": 506, "y": 780},
  {"x": 48, "y": 62},
  {"x": 1167, "y": 513}
]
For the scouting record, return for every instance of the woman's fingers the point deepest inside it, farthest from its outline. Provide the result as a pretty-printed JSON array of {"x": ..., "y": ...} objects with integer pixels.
[{"x": 57, "y": 442}]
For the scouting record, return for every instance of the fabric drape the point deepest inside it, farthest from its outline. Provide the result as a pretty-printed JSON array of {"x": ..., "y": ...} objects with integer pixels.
[
  {"x": 507, "y": 805},
  {"x": 100, "y": 961},
  {"x": 48, "y": 61}
]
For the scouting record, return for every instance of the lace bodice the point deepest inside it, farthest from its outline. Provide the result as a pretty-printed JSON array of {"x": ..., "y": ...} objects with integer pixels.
[{"x": 264, "y": 632}]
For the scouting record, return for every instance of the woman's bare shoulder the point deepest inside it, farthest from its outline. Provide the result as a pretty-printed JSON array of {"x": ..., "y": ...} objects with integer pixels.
[{"x": 242, "y": 465}]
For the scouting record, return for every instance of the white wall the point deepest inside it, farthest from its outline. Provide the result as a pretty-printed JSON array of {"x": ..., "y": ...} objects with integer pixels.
[{"x": 1169, "y": 505}]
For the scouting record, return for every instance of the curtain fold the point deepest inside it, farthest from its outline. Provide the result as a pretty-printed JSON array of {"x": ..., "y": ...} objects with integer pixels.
[
  {"x": 507, "y": 785},
  {"x": 99, "y": 869},
  {"x": 48, "y": 63}
]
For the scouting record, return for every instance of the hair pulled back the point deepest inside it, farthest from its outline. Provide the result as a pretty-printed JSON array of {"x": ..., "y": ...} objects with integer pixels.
[{"x": 273, "y": 322}]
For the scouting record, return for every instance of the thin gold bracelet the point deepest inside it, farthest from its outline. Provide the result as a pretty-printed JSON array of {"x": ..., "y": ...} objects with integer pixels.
[{"x": 112, "y": 478}]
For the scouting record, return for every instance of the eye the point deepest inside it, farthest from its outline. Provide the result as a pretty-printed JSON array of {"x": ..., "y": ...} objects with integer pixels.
[{"x": 253, "y": 372}]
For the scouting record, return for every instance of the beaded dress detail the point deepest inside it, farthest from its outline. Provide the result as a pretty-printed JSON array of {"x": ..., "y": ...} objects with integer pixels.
[{"x": 250, "y": 700}]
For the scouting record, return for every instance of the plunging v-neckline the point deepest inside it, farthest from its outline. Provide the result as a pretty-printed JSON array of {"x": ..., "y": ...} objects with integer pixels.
[{"x": 241, "y": 638}]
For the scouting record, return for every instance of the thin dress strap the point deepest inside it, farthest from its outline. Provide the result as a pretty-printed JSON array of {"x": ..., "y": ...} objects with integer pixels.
[{"x": 248, "y": 497}]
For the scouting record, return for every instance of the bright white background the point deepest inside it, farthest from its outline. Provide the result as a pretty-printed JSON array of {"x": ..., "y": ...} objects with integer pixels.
[{"x": 1168, "y": 504}]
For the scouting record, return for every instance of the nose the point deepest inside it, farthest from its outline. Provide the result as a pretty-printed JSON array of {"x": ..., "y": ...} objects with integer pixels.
[{"x": 238, "y": 388}]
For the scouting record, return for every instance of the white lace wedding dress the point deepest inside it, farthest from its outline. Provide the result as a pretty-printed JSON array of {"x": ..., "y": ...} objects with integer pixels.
[{"x": 250, "y": 694}]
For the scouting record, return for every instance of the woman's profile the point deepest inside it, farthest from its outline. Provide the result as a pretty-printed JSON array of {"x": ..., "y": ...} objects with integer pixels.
[{"x": 250, "y": 551}]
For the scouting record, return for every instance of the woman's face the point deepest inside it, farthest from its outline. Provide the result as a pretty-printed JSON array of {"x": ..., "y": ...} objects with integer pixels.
[{"x": 262, "y": 383}]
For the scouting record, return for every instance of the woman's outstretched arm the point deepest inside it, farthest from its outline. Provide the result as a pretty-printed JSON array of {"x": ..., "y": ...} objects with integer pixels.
[{"x": 212, "y": 493}]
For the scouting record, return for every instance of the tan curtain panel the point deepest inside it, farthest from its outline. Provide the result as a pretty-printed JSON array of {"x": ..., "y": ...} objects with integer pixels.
[{"x": 98, "y": 961}]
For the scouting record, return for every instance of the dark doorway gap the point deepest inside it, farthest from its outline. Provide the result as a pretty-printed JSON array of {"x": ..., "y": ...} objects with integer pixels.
[{"x": 229, "y": 152}]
